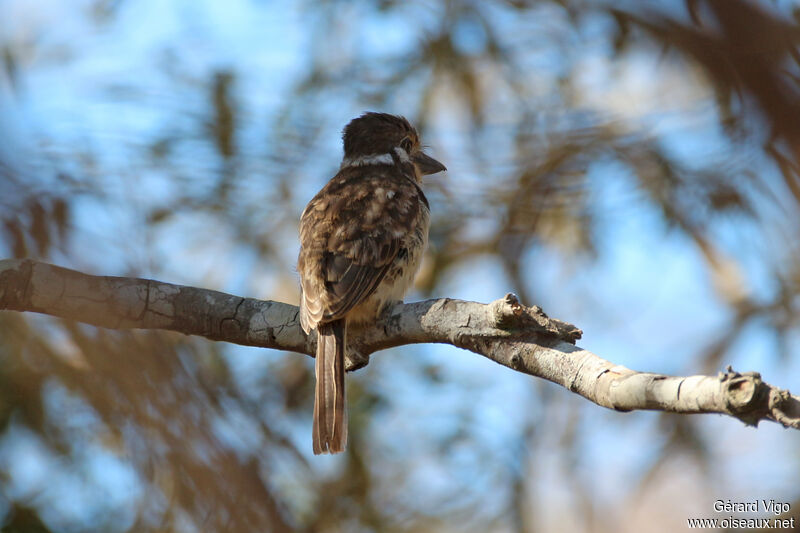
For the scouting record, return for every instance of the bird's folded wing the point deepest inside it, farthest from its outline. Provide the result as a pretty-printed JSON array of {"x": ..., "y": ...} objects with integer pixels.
[{"x": 352, "y": 278}]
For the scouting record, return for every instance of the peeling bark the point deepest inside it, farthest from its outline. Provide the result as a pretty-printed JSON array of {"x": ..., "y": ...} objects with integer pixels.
[{"x": 519, "y": 337}]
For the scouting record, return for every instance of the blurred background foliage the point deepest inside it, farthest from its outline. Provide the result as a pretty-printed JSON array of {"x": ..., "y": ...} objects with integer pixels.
[{"x": 631, "y": 166}]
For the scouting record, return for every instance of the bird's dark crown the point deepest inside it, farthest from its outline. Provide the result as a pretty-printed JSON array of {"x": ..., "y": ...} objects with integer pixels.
[{"x": 376, "y": 133}]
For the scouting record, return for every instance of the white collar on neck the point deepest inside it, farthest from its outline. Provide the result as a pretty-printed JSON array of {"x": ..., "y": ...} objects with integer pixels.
[{"x": 376, "y": 159}]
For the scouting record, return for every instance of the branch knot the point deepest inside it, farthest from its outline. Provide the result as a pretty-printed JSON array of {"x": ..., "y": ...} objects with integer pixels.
[{"x": 509, "y": 314}]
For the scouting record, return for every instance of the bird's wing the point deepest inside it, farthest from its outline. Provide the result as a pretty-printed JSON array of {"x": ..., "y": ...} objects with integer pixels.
[
  {"x": 335, "y": 282},
  {"x": 350, "y": 234},
  {"x": 350, "y": 278}
]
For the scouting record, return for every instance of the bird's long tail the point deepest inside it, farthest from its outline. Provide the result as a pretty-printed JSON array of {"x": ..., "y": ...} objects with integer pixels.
[{"x": 330, "y": 415}]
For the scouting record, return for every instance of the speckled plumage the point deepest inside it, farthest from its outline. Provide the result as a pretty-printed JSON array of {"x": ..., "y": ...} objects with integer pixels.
[{"x": 362, "y": 238}]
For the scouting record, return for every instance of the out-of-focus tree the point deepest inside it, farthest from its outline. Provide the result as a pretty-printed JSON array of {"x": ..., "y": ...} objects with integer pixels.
[{"x": 193, "y": 177}]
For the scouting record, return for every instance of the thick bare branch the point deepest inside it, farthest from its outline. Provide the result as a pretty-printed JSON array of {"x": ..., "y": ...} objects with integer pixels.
[{"x": 521, "y": 338}]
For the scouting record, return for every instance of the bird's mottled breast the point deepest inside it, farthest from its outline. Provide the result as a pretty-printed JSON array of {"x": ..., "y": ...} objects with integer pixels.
[
  {"x": 366, "y": 215},
  {"x": 355, "y": 206}
]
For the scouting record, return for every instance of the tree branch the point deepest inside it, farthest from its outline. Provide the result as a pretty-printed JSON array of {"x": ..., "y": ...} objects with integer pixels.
[{"x": 521, "y": 338}]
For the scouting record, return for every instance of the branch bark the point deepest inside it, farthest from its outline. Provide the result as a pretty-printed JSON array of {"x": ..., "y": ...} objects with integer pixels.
[{"x": 521, "y": 338}]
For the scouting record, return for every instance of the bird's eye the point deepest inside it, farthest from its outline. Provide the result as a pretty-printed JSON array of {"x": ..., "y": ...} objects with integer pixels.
[{"x": 405, "y": 144}]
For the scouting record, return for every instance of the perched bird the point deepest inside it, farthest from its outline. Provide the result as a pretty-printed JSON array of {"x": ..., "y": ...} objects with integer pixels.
[{"x": 361, "y": 242}]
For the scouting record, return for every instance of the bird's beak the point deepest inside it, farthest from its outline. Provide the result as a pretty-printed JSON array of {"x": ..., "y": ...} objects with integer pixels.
[{"x": 426, "y": 164}]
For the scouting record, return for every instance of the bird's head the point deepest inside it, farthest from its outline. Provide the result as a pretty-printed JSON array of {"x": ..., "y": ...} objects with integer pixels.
[{"x": 376, "y": 135}]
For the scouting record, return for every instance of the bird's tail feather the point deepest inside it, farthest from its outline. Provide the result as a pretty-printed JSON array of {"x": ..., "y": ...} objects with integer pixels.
[{"x": 330, "y": 414}]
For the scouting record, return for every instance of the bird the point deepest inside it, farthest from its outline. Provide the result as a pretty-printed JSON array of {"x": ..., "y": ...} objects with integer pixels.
[{"x": 362, "y": 238}]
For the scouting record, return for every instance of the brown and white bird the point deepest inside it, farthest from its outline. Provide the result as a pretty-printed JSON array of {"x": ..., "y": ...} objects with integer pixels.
[{"x": 361, "y": 242}]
